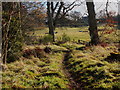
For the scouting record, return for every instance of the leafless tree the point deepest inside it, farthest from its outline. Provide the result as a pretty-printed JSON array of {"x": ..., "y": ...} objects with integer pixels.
[{"x": 57, "y": 10}]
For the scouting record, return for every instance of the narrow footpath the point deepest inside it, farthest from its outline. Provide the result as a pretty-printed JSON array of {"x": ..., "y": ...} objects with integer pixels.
[{"x": 72, "y": 84}]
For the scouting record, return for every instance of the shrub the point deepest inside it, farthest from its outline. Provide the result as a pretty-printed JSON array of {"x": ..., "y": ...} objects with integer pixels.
[
  {"x": 15, "y": 52},
  {"x": 27, "y": 53},
  {"x": 65, "y": 38},
  {"x": 46, "y": 39},
  {"x": 36, "y": 52}
]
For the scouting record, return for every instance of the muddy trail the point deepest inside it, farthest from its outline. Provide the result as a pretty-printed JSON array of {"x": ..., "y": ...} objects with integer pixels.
[{"x": 72, "y": 83}]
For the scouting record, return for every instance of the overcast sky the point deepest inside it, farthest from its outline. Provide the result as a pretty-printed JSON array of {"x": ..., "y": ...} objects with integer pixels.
[
  {"x": 99, "y": 5},
  {"x": 113, "y": 6}
]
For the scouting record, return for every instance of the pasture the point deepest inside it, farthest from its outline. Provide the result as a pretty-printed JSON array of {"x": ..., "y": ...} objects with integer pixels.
[
  {"x": 73, "y": 33},
  {"x": 78, "y": 33}
]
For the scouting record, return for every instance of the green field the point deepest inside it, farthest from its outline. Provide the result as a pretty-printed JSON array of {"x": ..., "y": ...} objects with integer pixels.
[{"x": 73, "y": 33}]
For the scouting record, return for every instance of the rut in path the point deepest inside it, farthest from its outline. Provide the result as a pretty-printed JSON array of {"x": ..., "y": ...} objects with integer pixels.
[{"x": 72, "y": 83}]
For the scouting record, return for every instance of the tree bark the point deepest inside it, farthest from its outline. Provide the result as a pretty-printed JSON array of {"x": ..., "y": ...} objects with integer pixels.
[
  {"x": 5, "y": 43},
  {"x": 50, "y": 21},
  {"x": 118, "y": 21},
  {"x": 118, "y": 15},
  {"x": 92, "y": 23}
]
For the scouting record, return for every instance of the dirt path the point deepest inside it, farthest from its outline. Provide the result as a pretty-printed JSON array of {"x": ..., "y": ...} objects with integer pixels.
[{"x": 72, "y": 83}]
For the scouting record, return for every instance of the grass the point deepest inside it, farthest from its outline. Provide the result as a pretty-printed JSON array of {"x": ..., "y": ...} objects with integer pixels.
[
  {"x": 73, "y": 33},
  {"x": 89, "y": 68},
  {"x": 87, "y": 65},
  {"x": 36, "y": 73}
]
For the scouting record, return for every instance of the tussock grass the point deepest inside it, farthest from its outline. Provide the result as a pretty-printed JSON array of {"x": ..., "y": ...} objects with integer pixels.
[
  {"x": 89, "y": 68},
  {"x": 36, "y": 73}
]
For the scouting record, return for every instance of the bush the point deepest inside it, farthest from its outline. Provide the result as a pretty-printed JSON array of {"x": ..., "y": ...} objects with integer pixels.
[
  {"x": 46, "y": 39},
  {"x": 36, "y": 52},
  {"x": 65, "y": 38},
  {"x": 27, "y": 53},
  {"x": 15, "y": 52},
  {"x": 39, "y": 52}
]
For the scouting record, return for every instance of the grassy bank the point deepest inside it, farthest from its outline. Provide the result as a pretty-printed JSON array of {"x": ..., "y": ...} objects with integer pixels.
[
  {"x": 91, "y": 69},
  {"x": 33, "y": 72}
]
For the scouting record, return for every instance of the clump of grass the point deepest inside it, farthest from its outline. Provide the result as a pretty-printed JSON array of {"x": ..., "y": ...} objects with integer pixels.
[
  {"x": 35, "y": 52},
  {"x": 70, "y": 45},
  {"x": 65, "y": 38},
  {"x": 46, "y": 39},
  {"x": 89, "y": 68},
  {"x": 35, "y": 73}
]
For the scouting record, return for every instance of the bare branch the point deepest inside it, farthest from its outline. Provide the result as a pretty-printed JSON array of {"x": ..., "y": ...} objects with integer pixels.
[
  {"x": 54, "y": 8},
  {"x": 58, "y": 12},
  {"x": 107, "y": 4},
  {"x": 70, "y": 7}
]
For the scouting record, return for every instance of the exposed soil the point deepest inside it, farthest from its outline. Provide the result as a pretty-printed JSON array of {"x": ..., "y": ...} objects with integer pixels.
[
  {"x": 73, "y": 84},
  {"x": 113, "y": 57}
]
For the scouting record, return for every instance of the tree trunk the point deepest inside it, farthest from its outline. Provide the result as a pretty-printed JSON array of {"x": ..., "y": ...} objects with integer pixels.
[
  {"x": 118, "y": 21},
  {"x": 118, "y": 15},
  {"x": 5, "y": 49},
  {"x": 50, "y": 21},
  {"x": 5, "y": 41},
  {"x": 5, "y": 36},
  {"x": 1, "y": 33},
  {"x": 92, "y": 23}
]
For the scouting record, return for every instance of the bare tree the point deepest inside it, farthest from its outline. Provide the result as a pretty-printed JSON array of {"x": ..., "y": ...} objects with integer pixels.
[
  {"x": 56, "y": 11},
  {"x": 92, "y": 23},
  {"x": 51, "y": 18}
]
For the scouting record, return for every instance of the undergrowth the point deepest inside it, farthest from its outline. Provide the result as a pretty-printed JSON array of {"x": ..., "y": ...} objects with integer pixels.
[
  {"x": 35, "y": 72},
  {"x": 90, "y": 70},
  {"x": 87, "y": 65}
]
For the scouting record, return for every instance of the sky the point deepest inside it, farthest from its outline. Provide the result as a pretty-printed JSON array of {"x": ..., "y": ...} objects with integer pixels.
[
  {"x": 99, "y": 4},
  {"x": 113, "y": 6}
]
